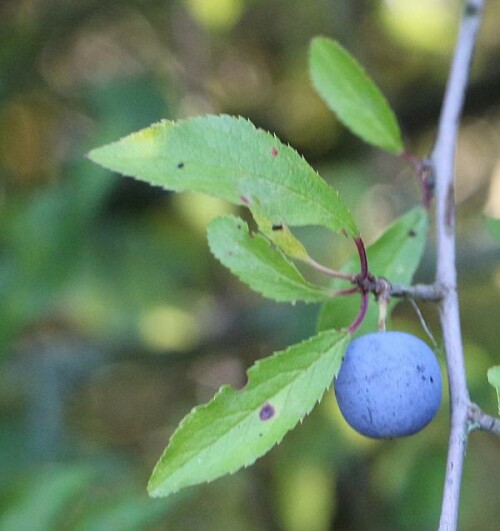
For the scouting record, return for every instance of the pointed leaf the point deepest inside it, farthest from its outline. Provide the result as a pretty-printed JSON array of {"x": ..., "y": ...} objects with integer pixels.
[
  {"x": 256, "y": 263},
  {"x": 395, "y": 255},
  {"x": 237, "y": 427},
  {"x": 494, "y": 380},
  {"x": 352, "y": 95},
  {"x": 230, "y": 158}
]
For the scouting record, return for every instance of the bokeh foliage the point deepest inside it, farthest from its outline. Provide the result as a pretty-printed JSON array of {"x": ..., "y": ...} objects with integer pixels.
[{"x": 114, "y": 318}]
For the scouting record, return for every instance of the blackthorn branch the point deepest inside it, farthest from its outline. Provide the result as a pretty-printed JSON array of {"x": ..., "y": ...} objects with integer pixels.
[
  {"x": 443, "y": 163},
  {"x": 437, "y": 179}
]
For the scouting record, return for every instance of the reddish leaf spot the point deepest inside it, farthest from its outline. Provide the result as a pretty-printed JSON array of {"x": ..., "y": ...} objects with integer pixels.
[
  {"x": 266, "y": 412},
  {"x": 274, "y": 152},
  {"x": 344, "y": 232},
  {"x": 245, "y": 200}
]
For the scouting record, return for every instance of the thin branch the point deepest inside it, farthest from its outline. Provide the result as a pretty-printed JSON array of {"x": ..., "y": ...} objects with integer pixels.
[
  {"x": 481, "y": 421},
  {"x": 424, "y": 292},
  {"x": 443, "y": 158}
]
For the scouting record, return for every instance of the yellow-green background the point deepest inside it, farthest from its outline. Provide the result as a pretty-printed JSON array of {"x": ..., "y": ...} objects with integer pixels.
[{"x": 114, "y": 318}]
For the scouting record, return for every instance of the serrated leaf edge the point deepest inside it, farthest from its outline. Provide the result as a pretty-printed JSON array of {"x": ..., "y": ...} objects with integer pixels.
[
  {"x": 350, "y": 225},
  {"x": 318, "y": 293},
  {"x": 341, "y": 335}
]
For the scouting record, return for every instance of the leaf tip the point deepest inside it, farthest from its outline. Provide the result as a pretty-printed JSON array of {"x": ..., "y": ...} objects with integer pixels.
[
  {"x": 157, "y": 487},
  {"x": 91, "y": 155},
  {"x": 351, "y": 94}
]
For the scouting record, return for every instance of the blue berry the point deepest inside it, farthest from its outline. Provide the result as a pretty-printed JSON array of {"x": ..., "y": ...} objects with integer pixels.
[{"x": 389, "y": 385}]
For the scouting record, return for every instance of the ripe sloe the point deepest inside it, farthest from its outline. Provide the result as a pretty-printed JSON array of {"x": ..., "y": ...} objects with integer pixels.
[{"x": 389, "y": 385}]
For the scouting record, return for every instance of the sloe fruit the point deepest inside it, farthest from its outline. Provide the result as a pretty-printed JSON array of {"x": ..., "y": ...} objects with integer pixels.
[{"x": 389, "y": 385}]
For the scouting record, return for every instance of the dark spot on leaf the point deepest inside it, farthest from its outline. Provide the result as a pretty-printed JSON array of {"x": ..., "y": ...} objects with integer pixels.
[
  {"x": 420, "y": 368},
  {"x": 412, "y": 233},
  {"x": 274, "y": 152},
  {"x": 266, "y": 411},
  {"x": 245, "y": 200},
  {"x": 423, "y": 378},
  {"x": 431, "y": 379},
  {"x": 277, "y": 227},
  {"x": 180, "y": 165}
]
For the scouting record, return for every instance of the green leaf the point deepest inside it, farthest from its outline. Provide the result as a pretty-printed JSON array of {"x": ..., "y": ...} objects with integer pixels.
[
  {"x": 493, "y": 226},
  {"x": 395, "y": 255},
  {"x": 494, "y": 380},
  {"x": 237, "y": 427},
  {"x": 352, "y": 95},
  {"x": 230, "y": 158},
  {"x": 282, "y": 237},
  {"x": 255, "y": 262}
]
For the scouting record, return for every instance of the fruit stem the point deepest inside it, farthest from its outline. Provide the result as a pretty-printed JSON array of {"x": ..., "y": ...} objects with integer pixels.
[{"x": 383, "y": 295}]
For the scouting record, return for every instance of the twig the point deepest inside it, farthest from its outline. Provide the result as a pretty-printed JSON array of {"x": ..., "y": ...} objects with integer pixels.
[
  {"x": 442, "y": 159},
  {"x": 425, "y": 292},
  {"x": 481, "y": 421}
]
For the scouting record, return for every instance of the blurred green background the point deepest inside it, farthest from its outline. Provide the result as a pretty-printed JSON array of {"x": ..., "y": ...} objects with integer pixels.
[{"x": 114, "y": 318}]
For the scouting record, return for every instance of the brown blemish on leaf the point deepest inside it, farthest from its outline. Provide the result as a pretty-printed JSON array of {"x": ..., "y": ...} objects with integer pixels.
[{"x": 266, "y": 412}]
